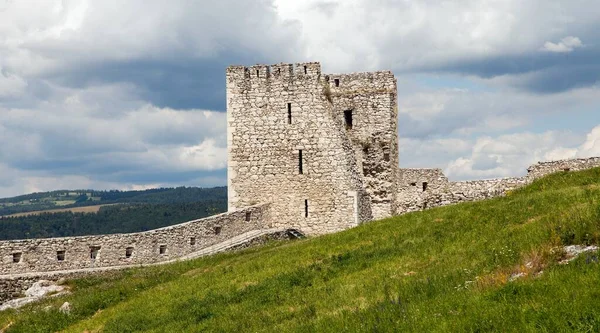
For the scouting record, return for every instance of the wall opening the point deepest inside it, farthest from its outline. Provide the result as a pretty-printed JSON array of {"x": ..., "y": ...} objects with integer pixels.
[
  {"x": 305, "y": 207},
  {"x": 60, "y": 255},
  {"x": 386, "y": 157},
  {"x": 336, "y": 82},
  {"x": 289, "y": 108},
  {"x": 94, "y": 252},
  {"x": 413, "y": 184},
  {"x": 348, "y": 119},
  {"x": 192, "y": 241},
  {"x": 17, "y": 257},
  {"x": 257, "y": 73},
  {"x": 300, "y": 166},
  {"x": 128, "y": 252},
  {"x": 162, "y": 249},
  {"x": 248, "y": 216},
  {"x": 217, "y": 230},
  {"x": 305, "y": 70},
  {"x": 424, "y": 186}
]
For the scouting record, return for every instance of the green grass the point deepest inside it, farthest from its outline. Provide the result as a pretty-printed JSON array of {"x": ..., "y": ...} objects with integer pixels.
[{"x": 445, "y": 269}]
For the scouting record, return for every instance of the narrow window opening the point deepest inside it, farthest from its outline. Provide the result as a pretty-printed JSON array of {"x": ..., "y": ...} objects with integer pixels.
[
  {"x": 193, "y": 241},
  {"x": 278, "y": 70},
  {"x": 217, "y": 230},
  {"x": 257, "y": 73},
  {"x": 305, "y": 71},
  {"x": 17, "y": 257},
  {"x": 60, "y": 255},
  {"x": 348, "y": 119},
  {"x": 128, "y": 252},
  {"x": 289, "y": 108},
  {"x": 424, "y": 186},
  {"x": 305, "y": 207},
  {"x": 248, "y": 216},
  {"x": 300, "y": 167},
  {"x": 162, "y": 249},
  {"x": 386, "y": 157},
  {"x": 94, "y": 252},
  {"x": 336, "y": 82}
]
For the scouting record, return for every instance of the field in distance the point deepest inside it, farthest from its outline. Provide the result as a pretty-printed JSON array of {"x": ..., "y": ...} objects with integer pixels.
[{"x": 85, "y": 209}]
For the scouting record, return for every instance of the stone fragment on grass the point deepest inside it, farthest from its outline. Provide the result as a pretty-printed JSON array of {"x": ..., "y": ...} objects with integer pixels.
[
  {"x": 572, "y": 251},
  {"x": 65, "y": 308}
]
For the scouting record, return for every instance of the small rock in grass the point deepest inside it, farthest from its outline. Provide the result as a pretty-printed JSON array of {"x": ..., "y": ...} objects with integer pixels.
[{"x": 65, "y": 308}]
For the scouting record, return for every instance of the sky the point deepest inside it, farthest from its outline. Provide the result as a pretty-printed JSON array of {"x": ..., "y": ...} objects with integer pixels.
[{"x": 131, "y": 94}]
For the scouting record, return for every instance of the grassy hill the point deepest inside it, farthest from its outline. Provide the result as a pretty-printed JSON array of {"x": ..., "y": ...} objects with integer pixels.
[{"x": 447, "y": 269}]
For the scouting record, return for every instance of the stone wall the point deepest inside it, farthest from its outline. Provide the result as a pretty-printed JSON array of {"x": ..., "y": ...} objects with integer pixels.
[
  {"x": 68, "y": 253},
  {"x": 420, "y": 189},
  {"x": 543, "y": 168}
]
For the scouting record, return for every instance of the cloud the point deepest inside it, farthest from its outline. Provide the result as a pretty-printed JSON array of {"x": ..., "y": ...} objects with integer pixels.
[
  {"x": 567, "y": 44},
  {"x": 481, "y": 38}
]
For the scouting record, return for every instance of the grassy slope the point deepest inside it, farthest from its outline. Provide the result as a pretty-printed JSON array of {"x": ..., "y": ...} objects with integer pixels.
[{"x": 445, "y": 269}]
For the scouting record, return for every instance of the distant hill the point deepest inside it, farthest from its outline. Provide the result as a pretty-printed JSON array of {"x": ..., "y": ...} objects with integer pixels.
[
  {"x": 47, "y": 214},
  {"x": 80, "y": 198}
]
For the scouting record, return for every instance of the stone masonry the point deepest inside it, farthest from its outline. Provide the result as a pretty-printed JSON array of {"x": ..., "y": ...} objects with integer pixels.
[{"x": 309, "y": 152}]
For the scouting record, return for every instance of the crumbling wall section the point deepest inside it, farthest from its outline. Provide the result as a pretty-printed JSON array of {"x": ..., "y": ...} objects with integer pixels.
[{"x": 366, "y": 103}]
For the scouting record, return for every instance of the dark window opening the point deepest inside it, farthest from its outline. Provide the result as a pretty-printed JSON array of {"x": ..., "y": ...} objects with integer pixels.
[
  {"x": 305, "y": 71},
  {"x": 424, "y": 186},
  {"x": 17, "y": 257},
  {"x": 348, "y": 119},
  {"x": 128, "y": 252},
  {"x": 289, "y": 105},
  {"x": 248, "y": 216},
  {"x": 278, "y": 70},
  {"x": 193, "y": 241},
  {"x": 386, "y": 157},
  {"x": 300, "y": 169},
  {"x": 60, "y": 255},
  {"x": 217, "y": 230},
  {"x": 306, "y": 208},
  {"x": 413, "y": 184},
  {"x": 94, "y": 252},
  {"x": 257, "y": 73},
  {"x": 336, "y": 82},
  {"x": 162, "y": 249}
]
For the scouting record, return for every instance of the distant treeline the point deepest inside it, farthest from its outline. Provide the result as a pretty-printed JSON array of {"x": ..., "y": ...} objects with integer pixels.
[
  {"x": 47, "y": 200},
  {"x": 112, "y": 219}
]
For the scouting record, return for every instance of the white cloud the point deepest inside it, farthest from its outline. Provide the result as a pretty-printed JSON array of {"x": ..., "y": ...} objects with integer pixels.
[
  {"x": 567, "y": 44},
  {"x": 408, "y": 35}
]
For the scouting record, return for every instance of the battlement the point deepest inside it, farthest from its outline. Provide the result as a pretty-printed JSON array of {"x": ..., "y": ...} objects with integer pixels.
[{"x": 241, "y": 75}]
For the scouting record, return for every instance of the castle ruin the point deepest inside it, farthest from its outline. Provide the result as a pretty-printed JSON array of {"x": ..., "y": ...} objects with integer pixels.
[{"x": 308, "y": 153}]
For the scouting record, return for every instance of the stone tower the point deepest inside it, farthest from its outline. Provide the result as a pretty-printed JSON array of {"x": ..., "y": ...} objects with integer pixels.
[{"x": 321, "y": 149}]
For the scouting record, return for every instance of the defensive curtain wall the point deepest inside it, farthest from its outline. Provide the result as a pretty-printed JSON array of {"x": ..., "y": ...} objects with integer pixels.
[{"x": 308, "y": 152}]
